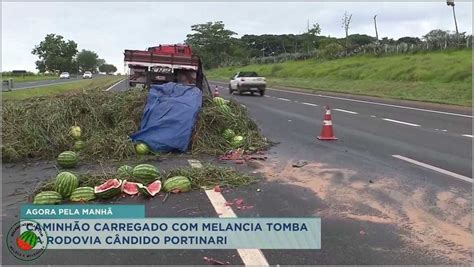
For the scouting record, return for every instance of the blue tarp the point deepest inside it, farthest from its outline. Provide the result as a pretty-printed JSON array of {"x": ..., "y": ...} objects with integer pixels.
[{"x": 169, "y": 116}]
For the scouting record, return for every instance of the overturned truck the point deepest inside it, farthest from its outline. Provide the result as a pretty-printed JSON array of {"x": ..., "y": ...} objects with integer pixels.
[{"x": 165, "y": 63}]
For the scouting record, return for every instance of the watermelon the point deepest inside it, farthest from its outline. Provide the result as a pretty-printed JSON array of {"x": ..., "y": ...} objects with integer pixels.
[
  {"x": 109, "y": 189},
  {"x": 47, "y": 197},
  {"x": 219, "y": 101},
  {"x": 79, "y": 145},
  {"x": 130, "y": 188},
  {"x": 145, "y": 173},
  {"x": 225, "y": 109},
  {"x": 125, "y": 171},
  {"x": 177, "y": 184},
  {"x": 150, "y": 190},
  {"x": 82, "y": 194},
  {"x": 75, "y": 132},
  {"x": 237, "y": 141},
  {"x": 228, "y": 134},
  {"x": 27, "y": 240},
  {"x": 67, "y": 159},
  {"x": 142, "y": 149},
  {"x": 65, "y": 183}
]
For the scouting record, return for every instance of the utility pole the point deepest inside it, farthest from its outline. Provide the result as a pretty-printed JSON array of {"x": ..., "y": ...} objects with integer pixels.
[
  {"x": 376, "y": 32},
  {"x": 451, "y": 3}
]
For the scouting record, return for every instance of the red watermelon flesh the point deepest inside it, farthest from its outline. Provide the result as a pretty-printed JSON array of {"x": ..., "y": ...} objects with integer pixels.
[
  {"x": 130, "y": 188},
  {"x": 112, "y": 183},
  {"x": 22, "y": 244},
  {"x": 150, "y": 190}
]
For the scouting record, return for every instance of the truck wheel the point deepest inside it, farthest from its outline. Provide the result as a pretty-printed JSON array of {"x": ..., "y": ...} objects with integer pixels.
[
  {"x": 230, "y": 90},
  {"x": 262, "y": 92},
  {"x": 132, "y": 84}
]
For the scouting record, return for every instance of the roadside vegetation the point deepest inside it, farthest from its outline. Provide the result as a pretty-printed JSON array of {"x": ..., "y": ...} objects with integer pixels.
[
  {"x": 440, "y": 77},
  {"x": 38, "y": 127},
  {"x": 28, "y": 77},
  {"x": 100, "y": 83}
]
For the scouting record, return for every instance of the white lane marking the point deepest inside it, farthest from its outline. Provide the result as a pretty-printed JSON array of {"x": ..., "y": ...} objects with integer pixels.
[
  {"x": 267, "y": 96},
  {"x": 375, "y": 103},
  {"x": 373, "y": 116},
  {"x": 115, "y": 84},
  {"x": 401, "y": 122},
  {"x": 284, "y": 99},
  {"x": 346, "y": 111},
  {"x": 443, "y": 171},
  {"x": 468, "y": 135},
  {"x": 250, "y": 257},
  {"x": 296, "y": 101},
  {"x": 309, "y": 104}
]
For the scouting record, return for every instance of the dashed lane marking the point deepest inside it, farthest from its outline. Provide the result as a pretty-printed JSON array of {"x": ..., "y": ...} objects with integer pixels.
[
  {"x": 443, "y": 171},
  {"x": 401, "y": 122}
]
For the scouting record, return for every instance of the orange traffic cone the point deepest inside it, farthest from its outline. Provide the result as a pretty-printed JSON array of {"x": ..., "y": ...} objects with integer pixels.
[
  {"x": 327, "y": 132},
  {"x": 216, "y": 91}
]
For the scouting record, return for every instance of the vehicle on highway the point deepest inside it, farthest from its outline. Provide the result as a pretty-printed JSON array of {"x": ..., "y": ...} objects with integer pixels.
[
  {"x": 87, "y": 75},
  {"x": 165, "y": 63},
  {"x": 247, "y": 81},
  {"x": 64, "y": 75}
]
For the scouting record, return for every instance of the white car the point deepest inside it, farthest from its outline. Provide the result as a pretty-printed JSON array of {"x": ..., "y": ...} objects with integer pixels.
[
  {"x": 87, "y": 75},
  {"x": 247, "y": 81},
  {"x": 64, "y": 75}
]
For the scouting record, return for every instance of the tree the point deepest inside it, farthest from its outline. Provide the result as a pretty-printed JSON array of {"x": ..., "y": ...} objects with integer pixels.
[
  {"x": 107, "y": 68},
  {"x": 55, "y": 54},
  {"x": 87, "y": 60},
  {"x": 346, "y": 24},
  {"x": 212, "y": 42}
]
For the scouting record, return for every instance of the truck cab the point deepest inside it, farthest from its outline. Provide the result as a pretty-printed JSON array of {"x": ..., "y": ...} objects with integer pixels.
[{"x": 165, "y": 63}]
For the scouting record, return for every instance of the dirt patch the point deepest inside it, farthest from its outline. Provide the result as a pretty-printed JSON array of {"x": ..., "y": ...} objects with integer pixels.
[{"x": 432, "y": 219}]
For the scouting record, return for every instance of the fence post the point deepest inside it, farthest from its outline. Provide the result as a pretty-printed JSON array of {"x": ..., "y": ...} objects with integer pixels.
[{"x": 10, "y": 83}]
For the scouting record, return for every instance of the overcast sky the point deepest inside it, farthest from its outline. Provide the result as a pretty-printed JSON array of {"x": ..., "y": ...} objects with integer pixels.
[{"x": 109, "y": 28}]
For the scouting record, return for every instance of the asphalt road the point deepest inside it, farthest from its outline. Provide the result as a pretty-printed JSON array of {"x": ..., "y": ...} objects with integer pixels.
[
  {"x": 36, "y": 84},
  {"x": 375, "y": 208},
  {"x": 441, "y": 138}
]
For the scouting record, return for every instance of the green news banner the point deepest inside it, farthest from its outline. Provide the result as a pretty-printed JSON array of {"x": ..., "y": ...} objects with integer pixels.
[{"x": 126, "y": 227}]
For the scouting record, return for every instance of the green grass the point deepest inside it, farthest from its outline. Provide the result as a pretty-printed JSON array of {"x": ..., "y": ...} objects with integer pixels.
[
  {"x": 439, "y": 77},
  {"x": 99, "y": 83},
  {"x": 30, "y": 78}
]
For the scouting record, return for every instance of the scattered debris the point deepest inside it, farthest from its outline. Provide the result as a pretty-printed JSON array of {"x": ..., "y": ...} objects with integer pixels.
[
  {"x": 259, "y": 190},
  {"x": 362, "y": 232},
  {"x": 166, "y": 197},
  {"x": 370, "y": 181},
  {"x": 299, "y": 164},
  {"x": 217, "y": 188},
  {"x": 193, "y": 208},
  {"x": 214, "y": 261}
]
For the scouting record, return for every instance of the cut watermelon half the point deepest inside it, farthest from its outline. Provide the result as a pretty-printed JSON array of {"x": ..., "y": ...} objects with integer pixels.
[
  {"x": 108, "y": 189},
  {"x": 150, "y": 190},
  {"x": 130, "y": 188}
]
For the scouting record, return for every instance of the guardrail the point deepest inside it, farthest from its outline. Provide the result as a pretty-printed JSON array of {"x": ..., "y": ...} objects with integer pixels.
[{"x": 7, "y": 85}]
